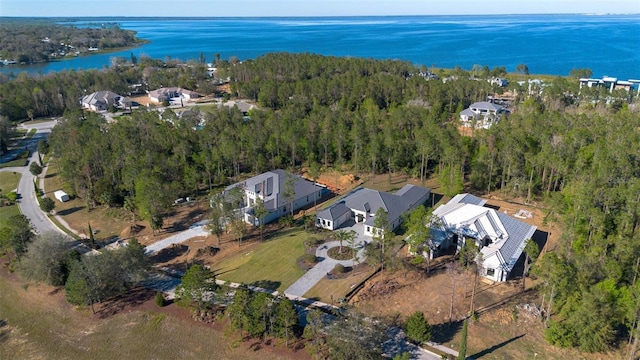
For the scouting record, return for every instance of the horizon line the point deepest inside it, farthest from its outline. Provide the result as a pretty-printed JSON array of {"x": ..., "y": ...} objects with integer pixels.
[{"x": 309, "y": 16}]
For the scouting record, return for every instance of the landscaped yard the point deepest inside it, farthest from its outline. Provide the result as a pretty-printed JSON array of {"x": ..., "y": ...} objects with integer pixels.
[
  {"x": 6, "y": 212},
  {"x": 271, "y": 264},
  {"x": 8, "y": 181}
]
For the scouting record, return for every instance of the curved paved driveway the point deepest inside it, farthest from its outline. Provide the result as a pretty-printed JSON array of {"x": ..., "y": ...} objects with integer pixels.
[
  {"x": 316, "y": 273},
  {"x": 195, "y": 230}
]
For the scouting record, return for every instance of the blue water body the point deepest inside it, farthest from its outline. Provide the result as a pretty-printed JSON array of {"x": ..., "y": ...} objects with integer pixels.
[{"x": 547, "y": 44}]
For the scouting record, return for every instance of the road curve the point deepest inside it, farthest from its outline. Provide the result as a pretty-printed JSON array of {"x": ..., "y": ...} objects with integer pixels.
[{"x": 26, "y": 190}]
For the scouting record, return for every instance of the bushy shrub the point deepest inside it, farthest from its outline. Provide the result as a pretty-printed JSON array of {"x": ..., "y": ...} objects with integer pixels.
[
  {"x": 417, "y": 260},
  {"x": 12, "y": 196},
  {"x": 159, "y": 299},
  {"x": 560, "y": 334},
  {"x": 417, "y": 328},
  {"x": 339, "y": 269},
  {"x": 287, "y": 221},
  {"x": 310, "y": 258},
  {"x": 46, "y": 204}
]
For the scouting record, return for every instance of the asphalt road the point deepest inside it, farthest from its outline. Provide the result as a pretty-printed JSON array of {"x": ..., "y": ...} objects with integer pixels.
[{"x": 27, "y": 198}]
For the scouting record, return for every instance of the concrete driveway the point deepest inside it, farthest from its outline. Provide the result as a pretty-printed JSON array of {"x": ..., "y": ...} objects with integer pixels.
[{"x": 326, "y": 264}]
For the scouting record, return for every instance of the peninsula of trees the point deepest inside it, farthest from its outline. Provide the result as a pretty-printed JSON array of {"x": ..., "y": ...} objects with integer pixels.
[{"x": 26, "y": 41}]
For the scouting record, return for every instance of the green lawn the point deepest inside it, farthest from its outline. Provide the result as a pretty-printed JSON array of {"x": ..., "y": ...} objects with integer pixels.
[
  {"x": 6, "y": 212},
  {"x": 8, "y": 181},
  {"x": 271, "y": 264}
]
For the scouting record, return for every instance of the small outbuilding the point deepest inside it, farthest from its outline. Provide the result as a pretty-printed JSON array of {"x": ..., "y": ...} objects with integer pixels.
[{"x": 61, "y": 196}]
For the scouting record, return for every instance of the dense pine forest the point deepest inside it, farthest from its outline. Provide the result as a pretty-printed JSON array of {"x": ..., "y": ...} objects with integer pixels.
[
  {"x": 27, "y": 41},
  {"x": 578, "y": 153}
]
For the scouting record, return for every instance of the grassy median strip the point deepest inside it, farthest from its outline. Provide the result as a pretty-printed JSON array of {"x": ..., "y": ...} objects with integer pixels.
[{"x": 31, "y": 133}]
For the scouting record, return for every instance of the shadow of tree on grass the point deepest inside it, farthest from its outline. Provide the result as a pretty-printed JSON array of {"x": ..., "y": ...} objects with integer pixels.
[
  {"x": 442, "y": 333},
  {"x": 495, "y": 347}
]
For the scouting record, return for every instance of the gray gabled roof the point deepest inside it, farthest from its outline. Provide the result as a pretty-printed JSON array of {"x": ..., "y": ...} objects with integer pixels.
[
  {"x": 468, "y": 113},
  {"x": 368, "y": 200},
  {"x": 334, "y": 212},
  {"x": 467, "y": 198},
  {"x": 104, "y": 97},
  {"x": 485, "y": 105}
]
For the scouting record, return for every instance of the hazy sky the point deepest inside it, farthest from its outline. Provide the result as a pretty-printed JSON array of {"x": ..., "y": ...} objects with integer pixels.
[{"x": 309, "y": 7}]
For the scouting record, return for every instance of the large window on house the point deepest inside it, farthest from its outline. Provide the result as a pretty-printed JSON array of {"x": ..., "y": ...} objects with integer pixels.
[
  {"x": 368, "y": 229},
  {"x": 491, "y": 272}
]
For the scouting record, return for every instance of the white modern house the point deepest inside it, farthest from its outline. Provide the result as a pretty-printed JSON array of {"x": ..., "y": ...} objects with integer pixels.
[
  {"x": 482, "y": 115},
  {"x": 609, "y": 83},
  {"x": 102, "y": 100},
  {"x": 162, "y": 94},
  {"x": 500, "y": 237},
  {"x": 362, "y": 204},
  {"x": 272, "y": 187}
]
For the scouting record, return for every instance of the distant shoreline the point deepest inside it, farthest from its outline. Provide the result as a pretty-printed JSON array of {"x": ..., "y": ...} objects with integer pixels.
[{"x": 423, "y": 40}]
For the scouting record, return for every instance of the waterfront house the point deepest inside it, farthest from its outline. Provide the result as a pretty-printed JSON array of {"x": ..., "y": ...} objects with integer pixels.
[{"x": 609, "y": 83}]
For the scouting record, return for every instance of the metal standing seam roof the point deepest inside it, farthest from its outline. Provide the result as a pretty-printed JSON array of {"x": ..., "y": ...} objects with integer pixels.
[
  {"x": 518, "y": 232},
  {"x": 510, "y": 233},
  {"x": 467, "y": 198}
]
